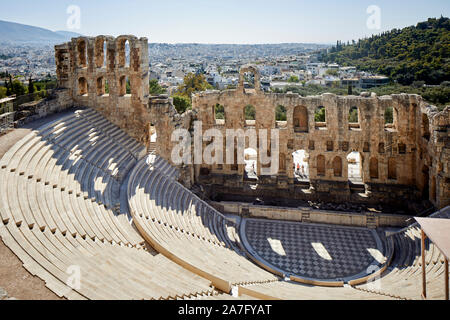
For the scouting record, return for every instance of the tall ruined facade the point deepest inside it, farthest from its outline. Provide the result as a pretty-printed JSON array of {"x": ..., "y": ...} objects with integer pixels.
[{"x": 406, "y": 160}]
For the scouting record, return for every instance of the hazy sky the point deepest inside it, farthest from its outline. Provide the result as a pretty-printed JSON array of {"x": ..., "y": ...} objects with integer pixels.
[{"x": 225, "y": 21}]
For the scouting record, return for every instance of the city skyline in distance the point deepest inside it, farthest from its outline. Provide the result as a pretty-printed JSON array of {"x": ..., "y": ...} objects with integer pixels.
[{"x": 231, "y": 22}]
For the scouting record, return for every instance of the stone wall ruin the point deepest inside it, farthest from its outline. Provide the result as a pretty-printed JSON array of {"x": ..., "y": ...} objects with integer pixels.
[{"x": 405, "y": 160}]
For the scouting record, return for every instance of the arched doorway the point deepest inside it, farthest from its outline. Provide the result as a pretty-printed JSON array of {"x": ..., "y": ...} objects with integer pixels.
[
  {"x": 301, "y": 119},
  {"x": 301, "y": 165},
  {"x": 354, "y": 160},
  {"x": 251, "y": 164}
]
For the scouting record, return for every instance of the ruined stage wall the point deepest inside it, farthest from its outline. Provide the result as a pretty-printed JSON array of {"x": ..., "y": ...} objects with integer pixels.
[{"x": 408, "y": 159}]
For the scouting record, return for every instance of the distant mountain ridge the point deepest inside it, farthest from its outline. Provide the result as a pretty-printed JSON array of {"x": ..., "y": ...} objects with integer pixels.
[{"x": 16, "y": 33}]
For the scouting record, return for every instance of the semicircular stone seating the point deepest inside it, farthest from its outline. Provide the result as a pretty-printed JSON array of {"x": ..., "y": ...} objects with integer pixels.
[
  {"x": 58, "y": 188},
  {"x": 60, "y": 214},
  {"x": 186, "y": 229},
  {"x": 403, "y": 279}
]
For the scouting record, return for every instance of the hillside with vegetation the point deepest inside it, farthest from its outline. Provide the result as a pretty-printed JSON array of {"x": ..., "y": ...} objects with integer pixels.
[{"x": 418, "y": 53}]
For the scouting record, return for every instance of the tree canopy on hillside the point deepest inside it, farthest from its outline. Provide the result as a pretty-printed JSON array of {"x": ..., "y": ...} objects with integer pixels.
[{"x": 416, "y": 53}]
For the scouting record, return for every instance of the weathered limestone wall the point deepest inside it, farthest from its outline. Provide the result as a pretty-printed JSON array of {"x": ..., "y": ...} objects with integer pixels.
[
  {"x": 59, "y": 101},
  {"x": 86, "y": 66},
  {"x": 407, "y": 160},
  {"x": 393, "y": 156},
  {"x": 313, "y": 216}
]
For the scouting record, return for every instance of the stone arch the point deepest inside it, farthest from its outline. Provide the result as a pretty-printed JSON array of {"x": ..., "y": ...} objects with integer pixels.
[
  {"x": 373, "y": 168},
  {"x": 337, "y": 166},
  {"x": 124, "y": 48},
  {"x": 83, "y": 87},
  {"x": 100, "y": 52},
  {"x": 321, "y": 166},
  {"x": 82, "y": 53},
  {"x": 301, "y": 119},
  {"x": 392, "y": 168},
  {"x": 249, "y": 69}
]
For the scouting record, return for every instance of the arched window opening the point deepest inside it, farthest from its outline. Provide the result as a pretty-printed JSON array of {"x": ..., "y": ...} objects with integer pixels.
[
  {"x": 355, "y": 167},
  {"x": 249, "y": 80},
  {"x": 105, "y": 54},
  {"x": 390, "y": 119},
  {"x": 219, "y": 114},
  {"x": 301, "y": 119},
  {"x": 124, "y": 53},
  {"x": 392, "y": 169},
  {"x": 100, "y": 86},
  {"x": 374, "y": 168},
  {"x": 321, "y": 166},
  {"x": 83, "y": 87},
  {"x": 353, "y": 119},
  {"x": 337, "y": 166},
  {"x": 251, "y": 164},
  {"x": 82, "y": 54},
  {"x": 280, "y": 116},
  {"x": 127, "y": 54},
  {"x": 100, "y": 53},
  {"x": 124, "y": 86},
  {"x": 320, "y": 118}
]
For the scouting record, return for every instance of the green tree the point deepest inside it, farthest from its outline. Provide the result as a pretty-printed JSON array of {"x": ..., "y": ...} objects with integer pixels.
[
  {"x": 389, "y": 115},
  {"x": 353, "y": 115},
  {"x": 193, "y": 83},
  {"x": 155, "y": 88},
  {"x": 3, "y": 91},
  {"x": 320, "y": 116},
  {"x": 293, "y": 79},
  {"x": 219, "y": 111},
  {"x": 250, "y": 112},
  {"x": 31, "y": 88},
  {"x": 280, "y": 113},
  {"x": 416, "y": 53},
  {"x": 332, "y": 72},
  {"x": 18, "y": 88},
  {"x": 181, "y": 103},
  {"x": 11, "y": 87}
]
